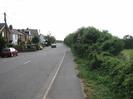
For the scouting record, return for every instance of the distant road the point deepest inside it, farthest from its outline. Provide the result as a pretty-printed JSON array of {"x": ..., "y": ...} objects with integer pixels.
[{"x": 45, "y": 74}]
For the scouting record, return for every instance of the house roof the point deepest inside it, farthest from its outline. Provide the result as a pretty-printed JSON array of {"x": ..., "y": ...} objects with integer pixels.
[
  {"x": 30, "y": 32},
  {"x": 34, "y": 32},
  {"x": 2, "y": 26},
  {"x": 23, "y": 31},
  {"x": 14, "y": 31},
  {"x": 27, "y": 32}
]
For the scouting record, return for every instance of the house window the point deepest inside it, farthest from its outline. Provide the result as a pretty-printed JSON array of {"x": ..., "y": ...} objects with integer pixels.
[
  {"x": 16, "y": 37},
  {"x": 3, "y": 34}
]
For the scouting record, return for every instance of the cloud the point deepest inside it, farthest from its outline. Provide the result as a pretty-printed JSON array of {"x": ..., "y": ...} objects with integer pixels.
[{"x": 65, "y": 16}]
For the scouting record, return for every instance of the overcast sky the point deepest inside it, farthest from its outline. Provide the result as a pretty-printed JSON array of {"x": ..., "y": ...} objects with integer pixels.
[{"x": 61, "y": 17}]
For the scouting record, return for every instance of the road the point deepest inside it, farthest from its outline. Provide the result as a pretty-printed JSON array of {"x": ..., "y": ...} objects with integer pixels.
[{"x": 45, "y": 74}]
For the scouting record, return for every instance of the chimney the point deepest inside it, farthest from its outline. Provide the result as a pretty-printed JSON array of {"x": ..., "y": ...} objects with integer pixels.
[
  {"x": 5, "y": 17},
  {"x": 10, "y": 27}
]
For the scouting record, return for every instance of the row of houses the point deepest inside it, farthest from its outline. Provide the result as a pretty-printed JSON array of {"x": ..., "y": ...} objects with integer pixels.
[{"x": 14, "y": 36}]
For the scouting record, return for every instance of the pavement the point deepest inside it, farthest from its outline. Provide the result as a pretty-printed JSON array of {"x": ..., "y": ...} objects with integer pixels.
[{"x": 45, "y": 74}]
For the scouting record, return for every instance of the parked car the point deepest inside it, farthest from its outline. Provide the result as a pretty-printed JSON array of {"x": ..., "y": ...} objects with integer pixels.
[
  {"x": 53, "y": 45},
  {"x": 40, "y": 47},
  {"x": 8, "y": 52}
]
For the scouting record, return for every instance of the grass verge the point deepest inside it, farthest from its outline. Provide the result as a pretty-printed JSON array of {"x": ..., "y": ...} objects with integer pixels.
[{"x": 94, "y": 84}]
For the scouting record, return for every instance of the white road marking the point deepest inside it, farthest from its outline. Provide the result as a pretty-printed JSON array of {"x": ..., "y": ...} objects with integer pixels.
[
  {"x": 27, "y": 61},
  {"x": 4, "y": 61},
  {"x": 52, "y": 80}
]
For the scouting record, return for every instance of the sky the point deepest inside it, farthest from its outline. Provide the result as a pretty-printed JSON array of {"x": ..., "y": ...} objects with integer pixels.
[{"x": 61, "y": 17}]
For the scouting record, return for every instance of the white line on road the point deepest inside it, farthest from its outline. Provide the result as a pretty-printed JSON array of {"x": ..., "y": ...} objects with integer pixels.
[
  {"x": 4, "y": 61},
  {"x": 27, "y": 61},
  {"x": 52, "y": 80}
]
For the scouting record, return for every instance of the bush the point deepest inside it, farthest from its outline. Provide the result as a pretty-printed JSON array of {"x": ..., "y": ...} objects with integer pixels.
[
  {"x": 120, "y": 74},
  {"x": 80, "y": 49},
  {"x": 95, "y": 61},
  {"x": 113, "y": 46},
  {"x": 101, "y": 49}
]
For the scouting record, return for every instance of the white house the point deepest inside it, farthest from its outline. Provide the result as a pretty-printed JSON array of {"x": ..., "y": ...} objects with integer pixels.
[{"x": 42, "y": 39}]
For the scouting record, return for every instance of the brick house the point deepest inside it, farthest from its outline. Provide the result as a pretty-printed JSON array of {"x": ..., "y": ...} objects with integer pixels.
[{"x": 5, "y": 32}]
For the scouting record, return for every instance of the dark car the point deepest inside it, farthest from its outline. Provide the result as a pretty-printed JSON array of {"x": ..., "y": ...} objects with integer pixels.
[
  {"x": 53, "y": 45},
  {"x": 8, "y": 52}
]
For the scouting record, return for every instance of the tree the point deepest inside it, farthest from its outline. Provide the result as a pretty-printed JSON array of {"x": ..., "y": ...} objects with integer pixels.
[
  {"x": 69, "y": 40},
  {"x": 35, "y": 40},
  {"x": 50, "y": 39},
  {"x": 113, "y": 46},
  {"x": 128, "y": 40},
  {"x": 3, "y": 42}
]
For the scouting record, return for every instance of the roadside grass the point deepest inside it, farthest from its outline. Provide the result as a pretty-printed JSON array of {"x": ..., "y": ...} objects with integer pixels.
[
  {"x": 94, "y": 82},
  {"x": 99, "y": 84}
]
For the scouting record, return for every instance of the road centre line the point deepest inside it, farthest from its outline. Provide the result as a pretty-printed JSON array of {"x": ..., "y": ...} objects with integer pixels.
[
  {"x": 27, "y": 62},
  {"x": 52, "y": 80},
  {"x": 4, "y": 61}
]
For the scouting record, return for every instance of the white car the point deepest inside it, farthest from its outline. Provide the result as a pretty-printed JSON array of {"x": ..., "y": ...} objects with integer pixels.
[{"x": 53, "y": 45}]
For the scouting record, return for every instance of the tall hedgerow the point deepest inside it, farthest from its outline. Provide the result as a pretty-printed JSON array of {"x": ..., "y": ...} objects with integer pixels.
[{"x": 101, "y": 49}]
